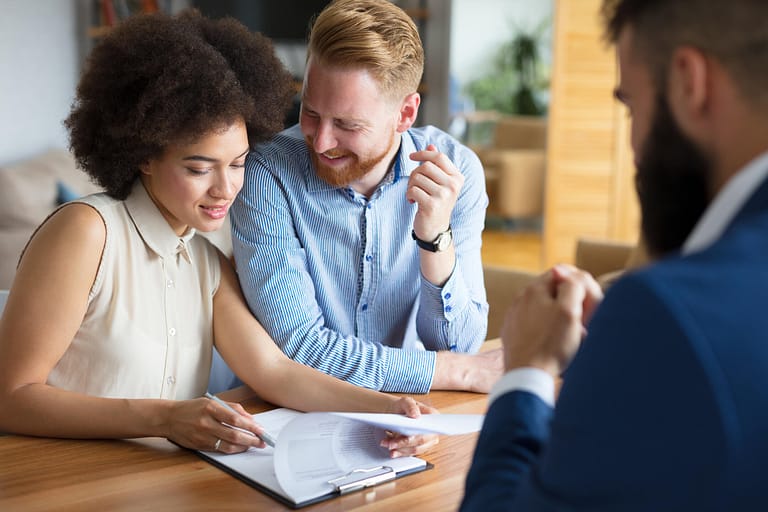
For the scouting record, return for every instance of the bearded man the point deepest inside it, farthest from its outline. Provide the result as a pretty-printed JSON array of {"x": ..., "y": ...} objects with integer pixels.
[
  {"x": 661, "y": 404},
  {"x": 356, "y": 236}
]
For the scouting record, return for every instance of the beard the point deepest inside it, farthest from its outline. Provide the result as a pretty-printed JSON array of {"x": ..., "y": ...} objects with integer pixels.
[
  {"x": 673, "y": 181},
  {"x": 355, "y": 170}
]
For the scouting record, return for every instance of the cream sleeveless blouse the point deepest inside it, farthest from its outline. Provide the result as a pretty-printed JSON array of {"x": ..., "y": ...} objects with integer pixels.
[{"x": 148, "y": 330}]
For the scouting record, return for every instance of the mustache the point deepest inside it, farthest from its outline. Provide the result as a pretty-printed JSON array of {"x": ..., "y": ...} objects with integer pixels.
[
  {"x": 331, "y": 153},
  {"x": 335, "y": 153}
]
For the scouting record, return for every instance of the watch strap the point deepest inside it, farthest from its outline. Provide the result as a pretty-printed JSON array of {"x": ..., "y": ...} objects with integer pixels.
[{"x": 434, "y": 245}]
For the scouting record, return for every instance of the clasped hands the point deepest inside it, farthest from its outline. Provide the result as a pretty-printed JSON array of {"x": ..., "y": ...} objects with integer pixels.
[{"x": 546, "y": 323}]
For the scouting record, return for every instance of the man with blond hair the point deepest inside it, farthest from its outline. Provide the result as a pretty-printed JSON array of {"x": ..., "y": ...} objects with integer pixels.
[{"x": 357, "y": 237}]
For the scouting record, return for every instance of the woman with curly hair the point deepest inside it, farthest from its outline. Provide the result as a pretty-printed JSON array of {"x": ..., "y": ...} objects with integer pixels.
[{"x": 116, "y": 306}]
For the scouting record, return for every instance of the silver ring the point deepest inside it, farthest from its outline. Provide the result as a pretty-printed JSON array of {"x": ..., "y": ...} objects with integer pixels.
[{"x": 217, "y": 445}]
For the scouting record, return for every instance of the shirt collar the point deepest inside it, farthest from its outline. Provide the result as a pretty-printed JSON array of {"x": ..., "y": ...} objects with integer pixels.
[
  {"x": 727, "y": 203},
  {"x": 407, "y": 146},
  {"x": 153, "y": 228}
]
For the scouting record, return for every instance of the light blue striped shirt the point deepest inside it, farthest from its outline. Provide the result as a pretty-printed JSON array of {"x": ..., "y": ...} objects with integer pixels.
[{"x": 334, "y": 277}]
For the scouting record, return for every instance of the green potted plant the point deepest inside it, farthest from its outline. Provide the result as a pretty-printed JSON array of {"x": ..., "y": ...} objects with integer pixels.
[{"x": 518, "y": 77}]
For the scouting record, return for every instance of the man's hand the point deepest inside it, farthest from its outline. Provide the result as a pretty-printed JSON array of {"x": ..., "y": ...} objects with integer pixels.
[
  {"x": 434, "y": 186},
  {"x": 467, "y": 372},
  {"x": 545, "y": 324}
]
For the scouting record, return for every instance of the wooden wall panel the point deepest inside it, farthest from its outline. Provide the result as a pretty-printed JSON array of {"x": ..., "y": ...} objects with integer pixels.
[
  {"x": 589, "y": 190},
  {"x": 626, "y": 210}
]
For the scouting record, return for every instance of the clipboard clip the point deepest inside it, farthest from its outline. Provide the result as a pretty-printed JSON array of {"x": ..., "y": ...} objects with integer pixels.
[{"x": 361, "y": 478}]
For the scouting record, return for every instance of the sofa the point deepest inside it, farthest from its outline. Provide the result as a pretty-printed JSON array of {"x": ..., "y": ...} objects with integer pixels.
[{"x": 31, "y": 189}]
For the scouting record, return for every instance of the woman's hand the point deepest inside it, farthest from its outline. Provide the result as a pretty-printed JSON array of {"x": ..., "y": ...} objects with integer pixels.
[
  {"x": 199, "y": 424},
  {"x": 400, "y": 445}
]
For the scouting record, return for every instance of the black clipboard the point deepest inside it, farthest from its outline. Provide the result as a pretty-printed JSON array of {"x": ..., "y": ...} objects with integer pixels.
[{"x": 356, "y": 480}]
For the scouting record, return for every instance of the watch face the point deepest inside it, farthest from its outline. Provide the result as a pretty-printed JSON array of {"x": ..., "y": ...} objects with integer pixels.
[{"x": 443, "y": 240}]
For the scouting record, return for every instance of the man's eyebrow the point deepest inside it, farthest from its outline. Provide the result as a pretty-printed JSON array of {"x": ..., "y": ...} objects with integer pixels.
[
  {"x": 344, "y": 120},
  {"x": 352, "y": 121}
]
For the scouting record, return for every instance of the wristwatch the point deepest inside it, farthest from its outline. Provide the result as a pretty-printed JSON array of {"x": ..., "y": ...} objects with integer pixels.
[{"x": 439, "y": 244}]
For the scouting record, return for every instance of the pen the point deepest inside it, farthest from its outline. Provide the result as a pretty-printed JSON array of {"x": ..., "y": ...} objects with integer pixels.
[{"x": 263, "y": 436}]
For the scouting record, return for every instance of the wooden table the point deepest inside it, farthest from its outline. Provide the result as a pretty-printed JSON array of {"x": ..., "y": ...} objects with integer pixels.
[{"x": 153, "y": 474}]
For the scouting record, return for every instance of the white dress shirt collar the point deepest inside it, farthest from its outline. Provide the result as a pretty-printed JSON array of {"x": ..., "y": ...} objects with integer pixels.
[{"x": 726, "y": 204}]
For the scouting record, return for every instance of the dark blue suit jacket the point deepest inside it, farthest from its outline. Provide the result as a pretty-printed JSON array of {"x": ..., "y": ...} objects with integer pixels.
[{"x": 665, "y": 406}]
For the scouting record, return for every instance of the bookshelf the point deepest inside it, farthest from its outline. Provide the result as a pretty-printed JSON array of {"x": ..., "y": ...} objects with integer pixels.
[
  {"x": 105, "y": 14},
  {"x": 98, "y": 17}
]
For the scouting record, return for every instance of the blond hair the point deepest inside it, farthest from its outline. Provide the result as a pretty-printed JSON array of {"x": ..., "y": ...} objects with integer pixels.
[{"x": 374, "y": 35}]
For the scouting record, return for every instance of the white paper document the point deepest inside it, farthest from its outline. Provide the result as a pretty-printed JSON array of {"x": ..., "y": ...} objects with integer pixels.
[
  {"x": 448, "y": 424},
  {"x": 319, "y": 455}
]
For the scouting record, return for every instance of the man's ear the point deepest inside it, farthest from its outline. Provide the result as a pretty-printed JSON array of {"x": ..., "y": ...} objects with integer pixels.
[
  {"x": 409, "y": 110},
  {"x": 145, "y": 168},
  {"x": 689, "y": 88}
]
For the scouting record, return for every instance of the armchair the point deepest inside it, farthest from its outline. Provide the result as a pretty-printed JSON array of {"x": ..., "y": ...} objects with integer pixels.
[{"x": 515, "y": 166}]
